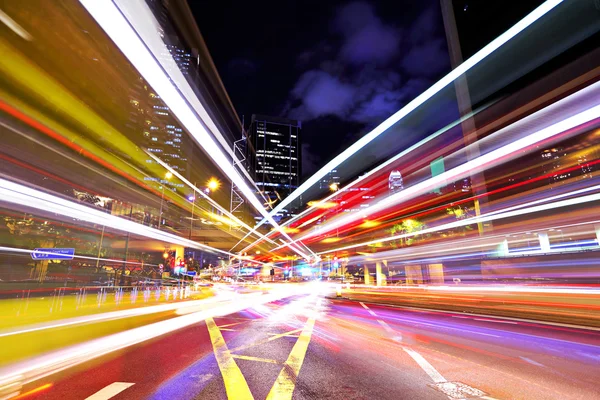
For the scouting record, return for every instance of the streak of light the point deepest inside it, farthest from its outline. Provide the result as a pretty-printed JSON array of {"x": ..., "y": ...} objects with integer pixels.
[
  {"x": 48, "y": 364},
  {"x": 331, "y": 240},
  {"x": 321, "y": 204},
  {"x": 495, "y": 44},
  {"x": 485, "y": 161},
  {"x": 117, "y": 27},
  {"x": 146, "y": 26},
  {"x": 18, "y": 250},
  {"x": 207, "y": 198},
  {"x": 371, "y": 173},
  {"x": 19, "y": 194},
  {"x": 369, "y": 224},
  {"x": 179, "y": 308},
  {"x": 14, "y": 26},
  {"x": 500, "y": 214},
  {"x": 310, "y": 221},
  {"x": 33, "y": 391}
]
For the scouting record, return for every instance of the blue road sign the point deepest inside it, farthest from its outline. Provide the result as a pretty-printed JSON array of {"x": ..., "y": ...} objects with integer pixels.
[{"x": 53, "y": 254}]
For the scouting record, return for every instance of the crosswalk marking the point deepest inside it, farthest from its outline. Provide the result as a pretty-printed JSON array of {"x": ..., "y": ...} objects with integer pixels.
[{"x": 110, "y": 391}]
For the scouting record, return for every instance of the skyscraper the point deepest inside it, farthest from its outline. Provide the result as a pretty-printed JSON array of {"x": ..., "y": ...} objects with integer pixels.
[
  {"x": 274, "y": 157},
  {"x": 163, "y": 135}
]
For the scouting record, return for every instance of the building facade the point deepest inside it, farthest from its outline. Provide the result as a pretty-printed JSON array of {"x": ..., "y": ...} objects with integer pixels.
[{"x": 274, "y": 158}]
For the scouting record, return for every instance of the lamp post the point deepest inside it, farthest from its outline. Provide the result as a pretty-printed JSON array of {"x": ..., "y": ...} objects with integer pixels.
[
  {"x": 192, "y": 198},
  {"x": 168, "y": 176}
]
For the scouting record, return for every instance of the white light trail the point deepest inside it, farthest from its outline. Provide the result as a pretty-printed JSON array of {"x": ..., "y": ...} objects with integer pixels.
[
  {"x": 110, "y": 18},
  {"x": 14, "y": 26},
  {"x": 19, "y": 374},
  {"x": 143, "y": 21},
  {"x": 357, "y": 181},
  {"x": 422, "y": 98},
  {"x": 112, "y": 315},
  {"x": 209, "y": 199},
  {"x": 15, "y": 193},
  {"x": 18, "y": 250},
  {"x": 483, "y": 218},
  {"x": 485, "y": 161}
]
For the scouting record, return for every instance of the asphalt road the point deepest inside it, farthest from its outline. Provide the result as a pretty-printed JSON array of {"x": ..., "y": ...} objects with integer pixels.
[{"x": 310, "y": 347}]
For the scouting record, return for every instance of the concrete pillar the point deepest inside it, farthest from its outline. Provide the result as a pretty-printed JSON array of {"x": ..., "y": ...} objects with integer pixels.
[
  {"x": 179, "y": 253},
  {"x": 544, "y": 242},
  {"x": 379, "y": 275},
  {"x": 436, "y": 273},
  {"x": 367, "y": 275},
  {"x": 597, "y": 229},
  {"x": 503, "y": 248},
  {"x": 414, "y": 275}
]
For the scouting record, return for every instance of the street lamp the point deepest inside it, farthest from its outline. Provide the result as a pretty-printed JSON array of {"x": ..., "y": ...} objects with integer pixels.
[
  {"x": 213, "y": 184},
  {"x": 168, "y": 176},
  {"x": 192, "y": 198}
]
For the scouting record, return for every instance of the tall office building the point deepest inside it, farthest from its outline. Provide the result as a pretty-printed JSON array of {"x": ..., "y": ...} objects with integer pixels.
[
  {"x": 274, "y": 157},
  {"x": 163, "y": 134}
]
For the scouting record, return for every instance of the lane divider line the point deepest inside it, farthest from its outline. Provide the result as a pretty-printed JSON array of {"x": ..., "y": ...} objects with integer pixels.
[
  {"x": 284, "y": 385},
  {"x": 110, "y": 391},
  {"x": 236, "y": 386},
  {"x": 367, "y": 308},
  {"x": 425, "y": 365}
]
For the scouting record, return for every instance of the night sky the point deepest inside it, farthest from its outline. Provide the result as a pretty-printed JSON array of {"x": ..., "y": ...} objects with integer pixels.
[{"x": 341, "y": 67}]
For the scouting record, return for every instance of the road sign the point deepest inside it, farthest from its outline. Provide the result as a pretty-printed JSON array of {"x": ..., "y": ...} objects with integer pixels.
[{"x": 53, "y": 254}]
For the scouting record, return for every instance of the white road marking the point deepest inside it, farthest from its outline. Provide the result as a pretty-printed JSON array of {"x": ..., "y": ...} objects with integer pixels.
[
  {"x": 368, "y": 309},
  {"x": 424, "y": 364},
  {"x": 110, "y": 391},
  {"x": 385, "y": 326},
  {"x": 429, "y": 369},
  {"x": 530, "y": 361}
]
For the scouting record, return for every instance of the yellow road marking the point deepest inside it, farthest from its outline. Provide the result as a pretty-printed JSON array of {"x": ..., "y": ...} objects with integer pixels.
[
  {"x": 235, "y": 383},
  {"x": 232, "y": 324},
  {"x": 284, "y": 386},
  {"x": 259, "y": 342},
  {"x": 249, "y": 358}
]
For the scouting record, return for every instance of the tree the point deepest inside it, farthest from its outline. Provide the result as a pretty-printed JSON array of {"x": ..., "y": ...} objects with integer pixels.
[{"x": 407, "y": 226}]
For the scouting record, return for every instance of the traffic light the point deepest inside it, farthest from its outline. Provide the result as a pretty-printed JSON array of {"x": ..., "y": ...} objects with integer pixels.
[{"x": 272, "y": 272}]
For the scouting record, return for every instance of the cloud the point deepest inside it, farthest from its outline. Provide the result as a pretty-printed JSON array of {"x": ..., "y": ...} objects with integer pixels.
[
  {"x": 354, "y": 17},
  {"x": 242, "y": 67},
  {"x": 366, "y": 38},
  {"x": 370, "y": 70},
  {"x": 424, "y": 27},
  {"x": 323, "y": 94},
  {"x": 427, "y": 60}
]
